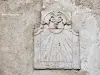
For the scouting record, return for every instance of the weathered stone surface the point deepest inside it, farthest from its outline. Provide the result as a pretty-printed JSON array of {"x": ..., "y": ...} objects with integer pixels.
[{"x": 17, "y": 20}]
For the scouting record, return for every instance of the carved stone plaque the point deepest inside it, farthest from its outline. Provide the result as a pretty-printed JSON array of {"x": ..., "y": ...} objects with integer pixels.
[{"x": 56, "y": 44}]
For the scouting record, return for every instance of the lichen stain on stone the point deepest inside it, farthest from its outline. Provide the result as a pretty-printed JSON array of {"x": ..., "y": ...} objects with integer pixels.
[
  {"x": 4, "y": 0},
  {"x": 77, "y": 2},
  {"x": 86, "y": 3}
]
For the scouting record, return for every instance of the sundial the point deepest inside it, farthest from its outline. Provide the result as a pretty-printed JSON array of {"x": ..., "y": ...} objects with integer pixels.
[{"x": 55, "y": 43}]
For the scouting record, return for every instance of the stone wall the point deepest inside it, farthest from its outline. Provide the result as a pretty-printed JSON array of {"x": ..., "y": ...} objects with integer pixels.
[{"x": 17, "y": 20}]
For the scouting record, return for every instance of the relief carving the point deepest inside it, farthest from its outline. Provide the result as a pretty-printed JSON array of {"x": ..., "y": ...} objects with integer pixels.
[
  {"x": 56, "y": 42},
  {"x": 56, "y": 22}
]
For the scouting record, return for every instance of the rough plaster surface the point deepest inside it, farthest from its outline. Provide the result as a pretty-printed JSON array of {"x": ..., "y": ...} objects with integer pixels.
[{"x": 17, "y": 20}]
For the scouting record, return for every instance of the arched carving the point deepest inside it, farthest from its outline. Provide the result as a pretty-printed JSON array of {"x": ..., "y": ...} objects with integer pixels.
[{"x": 56, "y": 22}]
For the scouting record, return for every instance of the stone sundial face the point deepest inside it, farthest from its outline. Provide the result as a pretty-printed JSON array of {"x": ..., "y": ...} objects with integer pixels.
[{"x": 54, "y": 42}]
